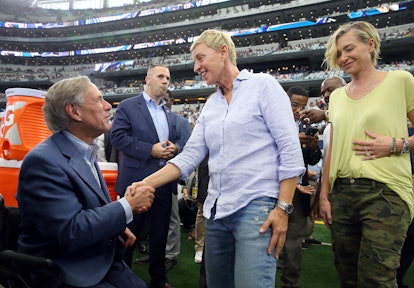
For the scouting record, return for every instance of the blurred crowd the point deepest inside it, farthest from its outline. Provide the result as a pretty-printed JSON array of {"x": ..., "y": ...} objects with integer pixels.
[{"x": 134, "y": 86}]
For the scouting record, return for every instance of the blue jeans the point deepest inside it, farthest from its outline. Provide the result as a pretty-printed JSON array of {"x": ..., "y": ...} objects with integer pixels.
[{"x": 235, "y": 251}]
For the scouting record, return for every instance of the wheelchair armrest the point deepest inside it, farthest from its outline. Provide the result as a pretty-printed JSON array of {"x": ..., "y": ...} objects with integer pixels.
[{"x": 25, "y": 259}]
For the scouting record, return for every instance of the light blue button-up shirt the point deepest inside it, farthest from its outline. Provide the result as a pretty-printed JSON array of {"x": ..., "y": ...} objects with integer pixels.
[
  {"x": 252, "y": 142},
  {"x": 158, "y": 118}
]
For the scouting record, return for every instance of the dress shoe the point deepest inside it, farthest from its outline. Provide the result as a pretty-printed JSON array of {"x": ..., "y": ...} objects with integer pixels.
[
  {"x": 142, "y": 248},
  {"x": 144, "y": 259},
  {"x": 170, "y": 264},
  {"x": 165, "y": 285},
  {"x": 306, "y": 245},
  {"x": 313, "y": 241}
]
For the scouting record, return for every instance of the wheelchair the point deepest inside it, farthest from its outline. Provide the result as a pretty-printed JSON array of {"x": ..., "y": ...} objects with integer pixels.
[{"x": 15, "y": 266}]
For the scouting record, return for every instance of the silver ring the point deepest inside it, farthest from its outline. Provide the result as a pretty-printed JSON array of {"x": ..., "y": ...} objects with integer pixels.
[
  {"x": 307, "y": 120},
  {"x": 368, "y": 154}
]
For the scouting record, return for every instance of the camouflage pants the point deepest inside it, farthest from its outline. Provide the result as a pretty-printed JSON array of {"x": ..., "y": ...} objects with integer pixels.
[{"x": 369, "y": 223}]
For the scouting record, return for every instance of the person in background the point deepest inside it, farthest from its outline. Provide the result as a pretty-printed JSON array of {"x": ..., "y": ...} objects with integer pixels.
[
  {"x": 172, "y": 249},
  {"x": 308, "y": 137},
  {"x": 315, "y": 116},
  {"x": 407, "y": 251},
  {"x": 200, "y": 223},
  {"x": 66, "y": 211},
  {"x": 105, "y": 148},
  {"x": 366, "y": 195},
  {"x": 145, "y": 131},
  {"x": 328, "y": 85},
  {"x": 407, "y": 256},
  {"x": 248, "y": 131}
]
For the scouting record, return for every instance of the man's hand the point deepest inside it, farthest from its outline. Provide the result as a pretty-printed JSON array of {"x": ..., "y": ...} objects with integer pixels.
[
  {"x": 305, "y": 189},
  {"x": 313, "y": 116},
  {"x": 171, "y": 149},
  {"x": 140, "y": 198},
  {"x": 308, "y": 141},
  {"x": 278, "y": 220},
  {"x": 164, "y": 150}
]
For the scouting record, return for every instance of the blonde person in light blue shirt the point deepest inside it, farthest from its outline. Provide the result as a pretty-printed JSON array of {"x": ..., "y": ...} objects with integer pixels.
[{"x": 248, "y": 130}]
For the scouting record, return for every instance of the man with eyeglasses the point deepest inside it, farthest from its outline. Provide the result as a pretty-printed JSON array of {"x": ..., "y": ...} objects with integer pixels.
[
  {"x": 297, "y": 105},
  {"x": 317, "y": 116},
  {"x": 327, "y": 87},
  {"x": 292, "y": 251}
]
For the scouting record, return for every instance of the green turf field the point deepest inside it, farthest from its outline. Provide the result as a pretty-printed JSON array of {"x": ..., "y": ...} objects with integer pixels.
[{"x": 318, "y": 270}]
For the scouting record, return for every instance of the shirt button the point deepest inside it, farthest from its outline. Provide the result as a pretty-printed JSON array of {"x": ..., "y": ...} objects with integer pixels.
[{"x": 352, "y": 180}]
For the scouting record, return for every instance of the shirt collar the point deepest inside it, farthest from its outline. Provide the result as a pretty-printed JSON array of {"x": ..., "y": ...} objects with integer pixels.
[
  {"x": 243, "y": 75},
  {"x": 149, "y": 100},
  {"x": 89, "y": 151}
]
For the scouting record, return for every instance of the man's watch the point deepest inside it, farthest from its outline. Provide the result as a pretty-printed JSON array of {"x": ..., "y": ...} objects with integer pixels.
[{"x": 287, "y": 207}]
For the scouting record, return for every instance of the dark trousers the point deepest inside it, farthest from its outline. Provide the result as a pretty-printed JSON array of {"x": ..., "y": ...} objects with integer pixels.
[
  {"x": 407, "y": 255},
  {"x": 118, "y": 276},
  {"x": 292, "y": 251},
  {"x": 202, "y": 281},
  {"x": 158, "y": 221}
]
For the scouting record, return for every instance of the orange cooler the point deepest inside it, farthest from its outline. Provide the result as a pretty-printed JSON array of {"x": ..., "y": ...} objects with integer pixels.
[
  {"x": 24, "y": 123},
  {"x": 2, "y": 114},
  {"x": 110, "y": 172},
  {"x": 9, "y": 176}
]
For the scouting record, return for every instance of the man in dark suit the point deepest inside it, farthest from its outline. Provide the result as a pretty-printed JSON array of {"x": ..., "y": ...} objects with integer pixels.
[
  {"x": 66, "y": 212},
  {"x": 144, "y": 130}
]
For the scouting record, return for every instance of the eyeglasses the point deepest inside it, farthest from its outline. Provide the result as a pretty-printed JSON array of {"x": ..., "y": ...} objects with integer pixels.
[{"x": 297, "y": 105}]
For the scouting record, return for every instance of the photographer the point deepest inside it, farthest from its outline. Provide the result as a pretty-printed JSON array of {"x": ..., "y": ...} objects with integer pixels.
[{"x": 308, "y": 136}]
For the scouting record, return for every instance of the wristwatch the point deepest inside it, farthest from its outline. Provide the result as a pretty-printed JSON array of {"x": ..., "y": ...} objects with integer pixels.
[
  {"x": 287, "y": 207},
  {"x": 406, "y": 146}
]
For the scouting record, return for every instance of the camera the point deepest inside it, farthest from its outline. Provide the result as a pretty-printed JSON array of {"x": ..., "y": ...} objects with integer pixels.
[
  {"x": 311, "y": 130},
  {"x": 308, "y": 129}
]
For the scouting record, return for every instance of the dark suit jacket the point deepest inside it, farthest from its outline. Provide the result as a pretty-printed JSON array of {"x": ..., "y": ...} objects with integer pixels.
[
  {"x": 183, "y": 131},
  {"x": 65, "y": 214},
  {"x": 203, "y": 179},
  {"x": 133, "y": 133}
]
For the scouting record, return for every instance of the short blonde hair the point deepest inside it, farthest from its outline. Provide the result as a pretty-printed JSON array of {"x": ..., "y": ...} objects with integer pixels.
[
  {"x": 214, "y": 39},
  {"x": 364, "y": 30}
]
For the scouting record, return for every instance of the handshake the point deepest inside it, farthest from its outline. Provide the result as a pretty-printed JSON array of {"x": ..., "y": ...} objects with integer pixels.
[{"x": 140, "y": 196}]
